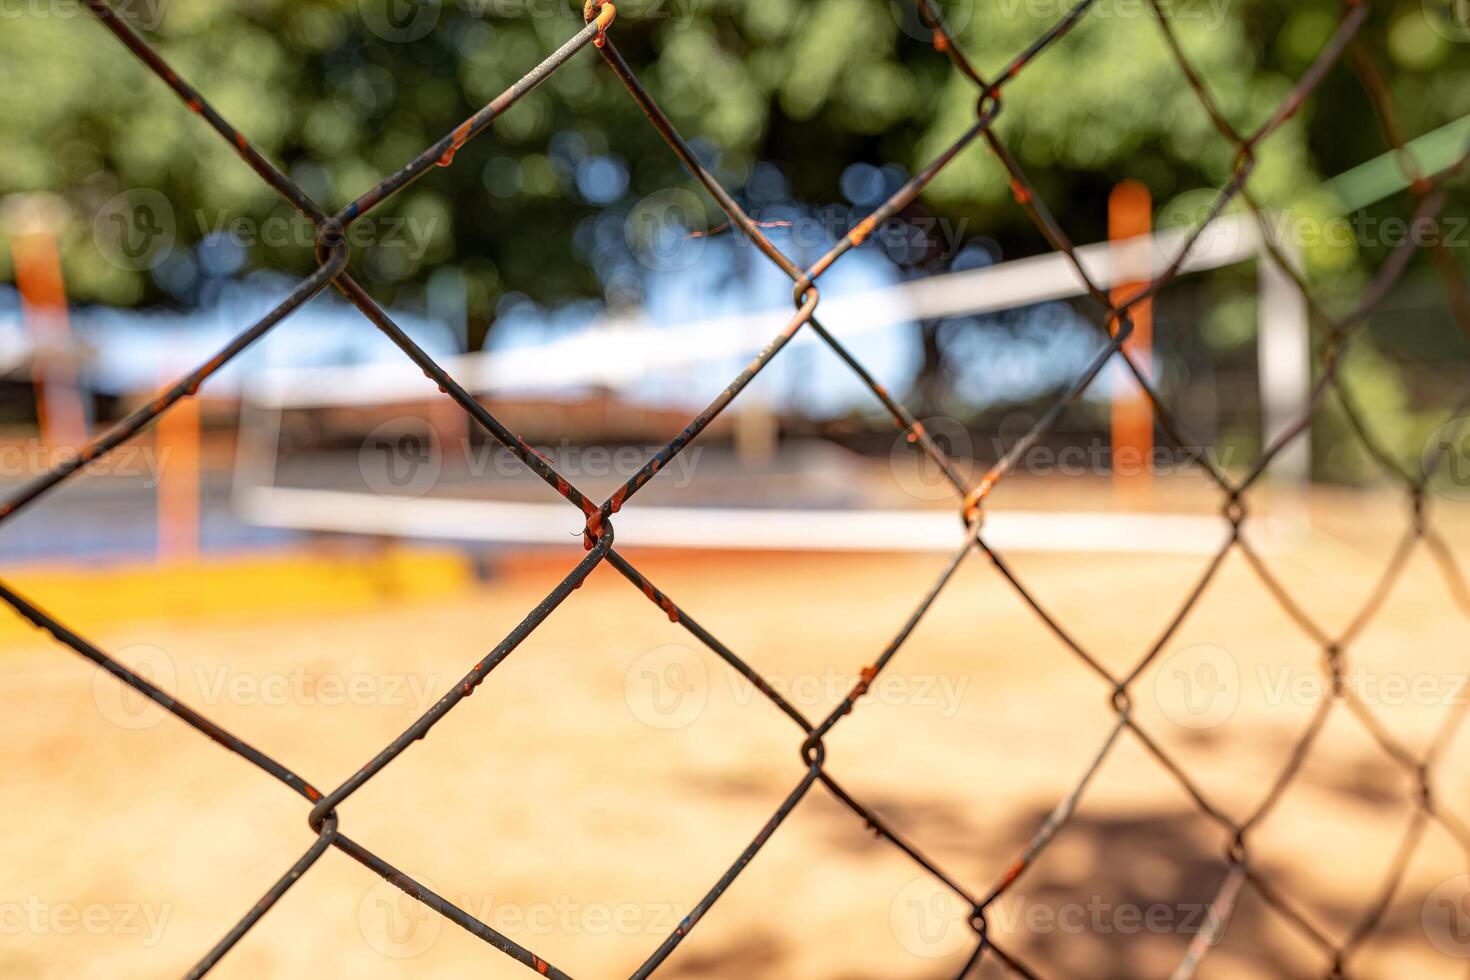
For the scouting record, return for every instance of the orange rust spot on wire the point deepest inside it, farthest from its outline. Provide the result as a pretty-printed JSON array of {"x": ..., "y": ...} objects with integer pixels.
[
  {"x": 461, "y": 137},
  {"x": 1021, "y": 194},
  {"x": 660, "y": 600},
  {"x": 311, "y": 792},
  {"x": 1420, "y": 187},
  {"x": 604, "y": 18},
  {"x": 917, "y": 432},
  {"x": 195, "y": 105},
  {"x": 1012, "y": 873},
  {"x": 726, "y": 226},
  {"x": 941, "y": 40},
  {"x": 864, "y": 228},
  {"x": 866, "y": 674},
  {"x": 973, "y": 498},
  {"x": 541, "y": 965}
]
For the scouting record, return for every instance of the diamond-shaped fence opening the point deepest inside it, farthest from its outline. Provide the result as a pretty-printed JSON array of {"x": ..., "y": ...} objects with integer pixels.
[{"x": 1334, "y": 335}]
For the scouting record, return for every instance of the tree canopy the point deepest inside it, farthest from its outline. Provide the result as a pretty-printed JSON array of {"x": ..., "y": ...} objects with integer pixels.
[{"x": 340, "y": 93}]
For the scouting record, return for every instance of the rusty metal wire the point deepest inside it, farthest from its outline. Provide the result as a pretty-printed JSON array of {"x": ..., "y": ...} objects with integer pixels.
[{"x": 1334, "y": 336}]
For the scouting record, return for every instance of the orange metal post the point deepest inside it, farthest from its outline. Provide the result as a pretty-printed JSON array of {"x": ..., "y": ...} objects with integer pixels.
[
  {"x": 43, "y": 301},
  {"x": 177, "y": 444},
  {"x": 1130, "y": 219}
]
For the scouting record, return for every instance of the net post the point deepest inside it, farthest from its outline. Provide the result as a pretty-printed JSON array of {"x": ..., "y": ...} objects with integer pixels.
[
  {"x": 1130, "y": 222},
  {"x": 31, "y": 221},
  {"x": 176, "y": 443},
  {"x": 1284, "y": 359}
]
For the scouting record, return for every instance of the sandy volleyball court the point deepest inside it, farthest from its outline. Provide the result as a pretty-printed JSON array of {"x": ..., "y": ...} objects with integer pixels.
[{"x": 604, "y": 777}]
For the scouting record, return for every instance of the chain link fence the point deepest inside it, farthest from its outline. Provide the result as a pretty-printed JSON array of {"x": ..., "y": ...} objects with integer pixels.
[{"x": 1333, "y": 336}]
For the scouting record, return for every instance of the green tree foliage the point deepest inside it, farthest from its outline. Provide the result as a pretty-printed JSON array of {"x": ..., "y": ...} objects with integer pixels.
[{"x": 340, "y": 95}]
